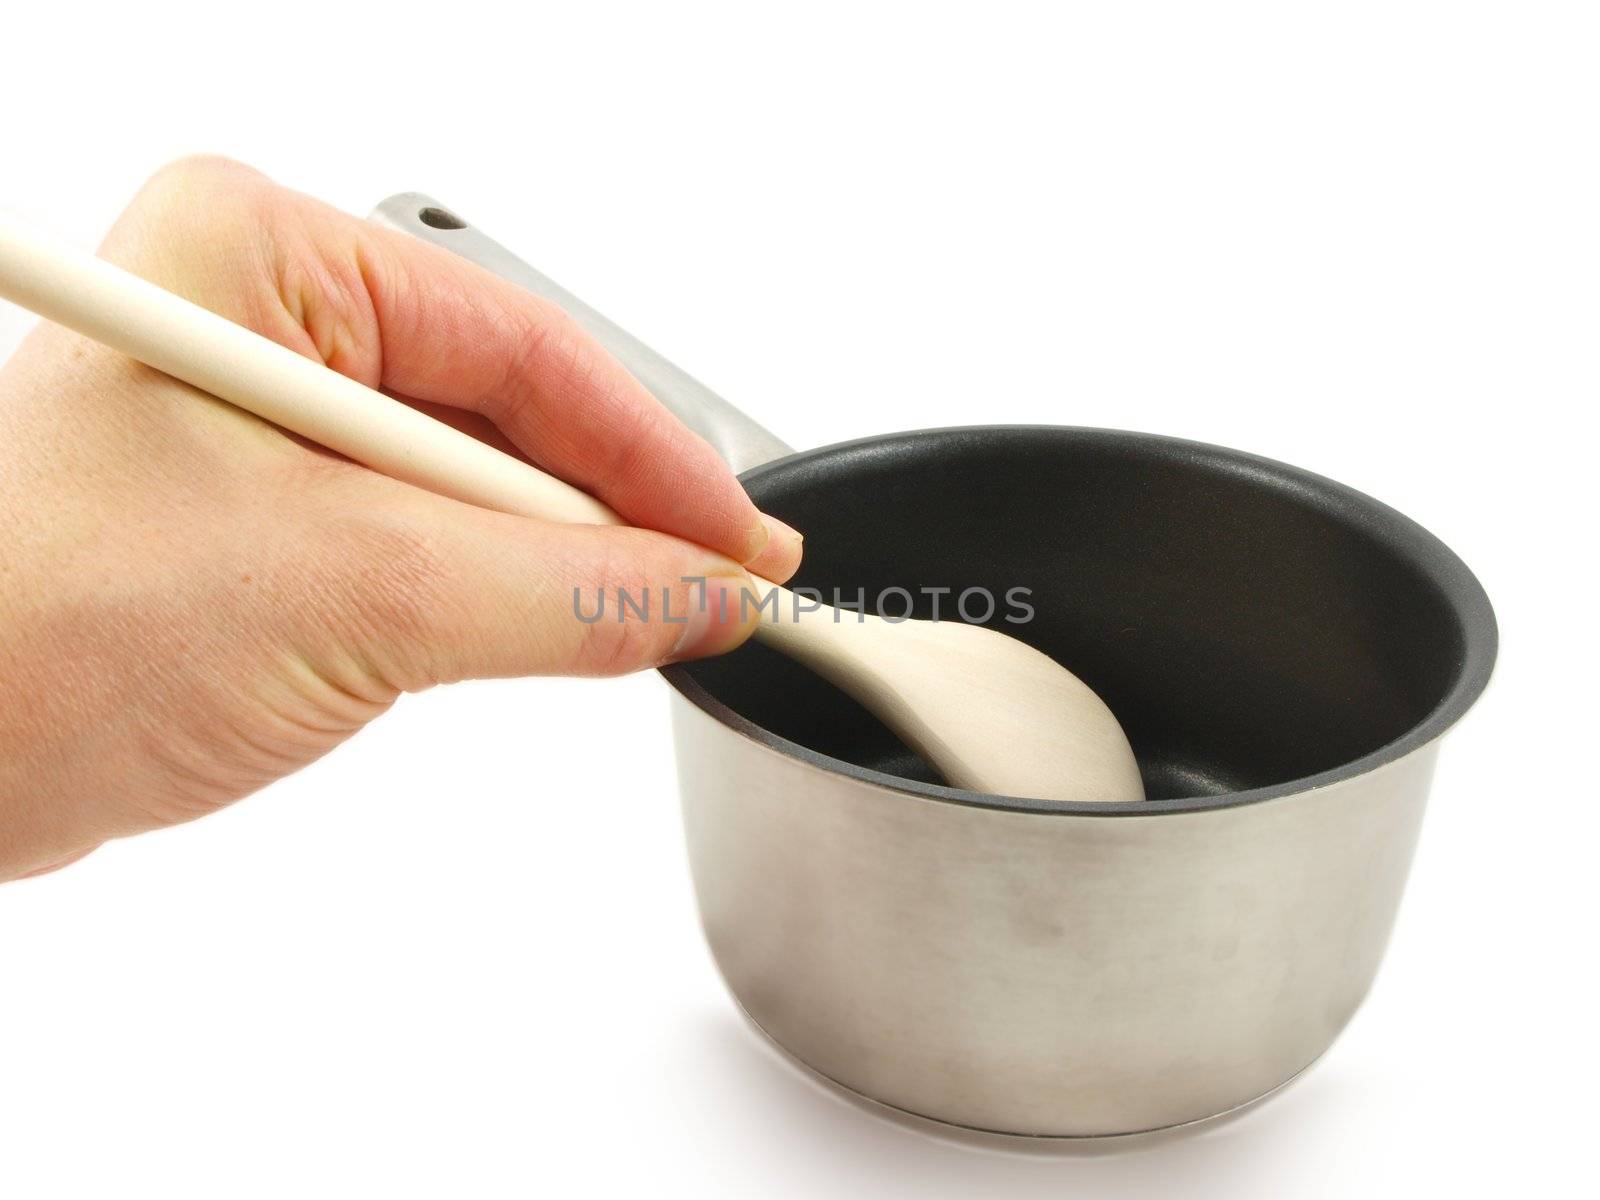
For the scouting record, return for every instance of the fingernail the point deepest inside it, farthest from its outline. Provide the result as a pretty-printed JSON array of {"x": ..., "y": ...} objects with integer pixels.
[
  {"x": 716, "y": 618},
  {"x": 780, "y": 535}
]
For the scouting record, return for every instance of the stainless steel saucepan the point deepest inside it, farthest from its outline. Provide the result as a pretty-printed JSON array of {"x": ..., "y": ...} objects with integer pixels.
[{"x": 1284, "y": 653}]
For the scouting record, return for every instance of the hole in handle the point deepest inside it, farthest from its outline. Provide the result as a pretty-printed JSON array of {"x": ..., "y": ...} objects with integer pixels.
[{"x": 440, "y": 218}]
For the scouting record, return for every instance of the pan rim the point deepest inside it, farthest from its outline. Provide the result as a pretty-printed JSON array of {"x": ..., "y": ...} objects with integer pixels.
[{"x": 1456, "y": 583}]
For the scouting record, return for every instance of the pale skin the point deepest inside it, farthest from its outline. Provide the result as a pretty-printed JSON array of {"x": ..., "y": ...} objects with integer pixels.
[{"x": 194, "y": 603}]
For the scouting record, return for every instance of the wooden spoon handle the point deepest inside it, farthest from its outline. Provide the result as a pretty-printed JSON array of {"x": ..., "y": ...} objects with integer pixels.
[{"x": 99, "y": 300}]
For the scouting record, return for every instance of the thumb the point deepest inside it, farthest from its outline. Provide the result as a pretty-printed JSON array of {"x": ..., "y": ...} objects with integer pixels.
[{"x": 441, "y": 591}]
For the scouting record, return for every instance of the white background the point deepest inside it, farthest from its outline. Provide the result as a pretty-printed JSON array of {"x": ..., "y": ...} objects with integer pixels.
[{"x": 460, "y": 956}]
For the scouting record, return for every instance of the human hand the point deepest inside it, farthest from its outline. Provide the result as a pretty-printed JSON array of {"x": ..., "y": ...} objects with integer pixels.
[{"x": 194, "y": 602}]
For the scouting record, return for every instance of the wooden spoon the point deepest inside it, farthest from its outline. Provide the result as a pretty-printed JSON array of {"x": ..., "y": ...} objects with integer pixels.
[{"x": 991, "y": 713}]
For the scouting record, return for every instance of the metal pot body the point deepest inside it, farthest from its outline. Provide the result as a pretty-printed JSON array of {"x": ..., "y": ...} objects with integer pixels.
[
  {"x": 1041, "y": 973},
  {"x": 1284, "y": 654}
]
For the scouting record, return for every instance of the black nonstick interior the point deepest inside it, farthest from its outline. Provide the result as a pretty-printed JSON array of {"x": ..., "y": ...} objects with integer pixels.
[{"x": 1251, "y": 624}]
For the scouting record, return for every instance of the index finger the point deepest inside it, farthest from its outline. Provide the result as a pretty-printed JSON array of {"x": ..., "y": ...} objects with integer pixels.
[{"x": 453, "y": 333}]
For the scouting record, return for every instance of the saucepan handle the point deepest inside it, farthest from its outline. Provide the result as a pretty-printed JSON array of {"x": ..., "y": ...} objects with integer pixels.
[{"x": 742, "y": 442}]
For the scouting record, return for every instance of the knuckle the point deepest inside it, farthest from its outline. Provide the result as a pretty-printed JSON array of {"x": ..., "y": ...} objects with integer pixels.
[
  {"x": 648, "y": 437},
  {"x": 194, "y": 212},
  {"x": 198, "y": 185},
  {"x": 631, "y": 631},
  {"x": 511, "y": 402},
  {"x": 193, "y": 168},
  {"x": 613, "y": 646},
  {"x": 571, "y": 355},
  {"x": 392, "y": 596}
]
